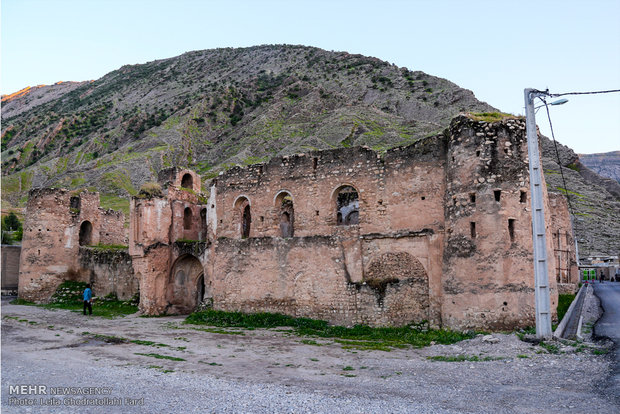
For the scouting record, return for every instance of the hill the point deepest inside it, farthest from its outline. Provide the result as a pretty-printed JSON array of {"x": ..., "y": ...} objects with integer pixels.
[{"x": 213, "y": 109}]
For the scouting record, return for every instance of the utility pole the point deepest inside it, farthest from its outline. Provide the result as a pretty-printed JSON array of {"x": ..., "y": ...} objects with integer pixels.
[{"x": 539, "y": 239}]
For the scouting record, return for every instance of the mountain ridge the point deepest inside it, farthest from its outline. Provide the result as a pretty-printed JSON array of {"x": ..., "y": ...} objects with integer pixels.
[{"x": 212, "y": 109}]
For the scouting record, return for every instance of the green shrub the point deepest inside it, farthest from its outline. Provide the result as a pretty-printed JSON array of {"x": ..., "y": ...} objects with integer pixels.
[{"x": 150, "y": 190}]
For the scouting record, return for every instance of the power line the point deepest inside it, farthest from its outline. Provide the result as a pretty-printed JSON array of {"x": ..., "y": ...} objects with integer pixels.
[
  {"x": 555, "y": 95},
  {"x": 557, "y": 154}
]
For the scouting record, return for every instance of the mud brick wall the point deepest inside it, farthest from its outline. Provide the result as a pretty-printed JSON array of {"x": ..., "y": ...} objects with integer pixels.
[
  {"x": 57, "y": 222},
  {"x": 51, "y": 241},
  {"x": 112, "y": 229},
  {"x": 488, "y": 264},
  {"x": 109, "y": 271},
  {"x": 10, "y": 267},
  {"x": 564, "y": 254}
]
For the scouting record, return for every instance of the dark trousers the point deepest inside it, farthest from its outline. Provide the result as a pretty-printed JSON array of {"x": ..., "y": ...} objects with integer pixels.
[{"x": 90, "y": 307}]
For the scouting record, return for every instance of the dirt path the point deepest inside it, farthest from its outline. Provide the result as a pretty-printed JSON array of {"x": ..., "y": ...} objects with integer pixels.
[{"x": 276, "y": 371}]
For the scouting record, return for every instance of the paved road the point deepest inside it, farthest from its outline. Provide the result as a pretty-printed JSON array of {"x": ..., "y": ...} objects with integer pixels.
[{"x": 609, "y": 326}]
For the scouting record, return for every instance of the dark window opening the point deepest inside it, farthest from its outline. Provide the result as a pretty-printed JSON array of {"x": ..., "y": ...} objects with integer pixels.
[
  {"x": 246, "y": 221},
  {"x": 287, "y": 214},
  {"x": 260, "y": 169},
  {"x": 74, "y": 202},
  {"x": 262, "y": 219},
  {"x": 347, "y": 206},
  {"x": 423, "y": 198},
  {"x": 523, "y": 197},
  {"x": 511, "y": 229},
  {"x": 86, "y": 233},
  {"x": 187, "y": 218},
  {"x": 472, "y": 229},
  {"x": 478, "y": 153},
  {"x": 203, "y": 218},
  {"x": 315, "y": 163},
  {"x": 317, "y": 212},
  {"x": 472, "y": 197},
  {"x": 187, "y": 181},
  {"x": 497, "y": 194}
]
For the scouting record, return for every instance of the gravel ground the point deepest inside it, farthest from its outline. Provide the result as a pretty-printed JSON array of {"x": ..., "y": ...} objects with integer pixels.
[{"x": 267, "y": 371}]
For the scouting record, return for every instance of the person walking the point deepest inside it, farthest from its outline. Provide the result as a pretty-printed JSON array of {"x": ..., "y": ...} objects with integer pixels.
[{"x": 88, "y": 299}]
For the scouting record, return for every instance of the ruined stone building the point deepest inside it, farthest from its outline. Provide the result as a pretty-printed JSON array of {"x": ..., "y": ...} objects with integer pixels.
[{"x": 439, "y": 230}]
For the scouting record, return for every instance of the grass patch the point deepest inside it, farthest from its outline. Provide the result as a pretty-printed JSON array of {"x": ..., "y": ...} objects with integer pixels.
[
  {"x": 462, "y": 358},
  {"x": 564, "y": 301},
  {"x": 148, "y": 343},
  {"x": 522, "y": 356},
  {"x": 552, "y": 349},
  {"x": 219, "y": 331},
  {"x": 489, "y": 116},
  {"x": 69, "y": 296},
  {"x": 348, "y": 368},
  {"x": 159, "y": 356},
  {"x": 20, "y": 301},
  {"x": 310, "y": 342},
  {"x": 414, "y": 335}
]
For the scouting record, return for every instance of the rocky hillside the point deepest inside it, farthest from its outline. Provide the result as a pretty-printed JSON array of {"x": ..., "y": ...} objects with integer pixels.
[
  {"x": 595, "y": 200},
  {"x": 210, "y": 110},
  {"x": 605, "y": 164}
]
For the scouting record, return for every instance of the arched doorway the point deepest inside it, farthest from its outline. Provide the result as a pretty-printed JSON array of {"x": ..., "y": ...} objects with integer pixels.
[
  {"x": 86, "y": 233},
  {"x": 243, "y": 216},
  {"x": 186, "y": 287},
  {"x": 187, "y": 181}
]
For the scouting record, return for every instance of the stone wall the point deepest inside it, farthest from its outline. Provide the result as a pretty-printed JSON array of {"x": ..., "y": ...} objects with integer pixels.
[
  {"x": 564, "y": 254},
  {"x": 57, "y": 223},
  {"x": 453, "y": 210},
  {"x": 10, "y": 268},
  {"x": 488, "y": 259},
  {"x": 109, "y": 272}
]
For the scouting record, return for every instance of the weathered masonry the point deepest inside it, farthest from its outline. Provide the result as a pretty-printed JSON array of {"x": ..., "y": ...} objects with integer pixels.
[{"x": 439, "y": 230}]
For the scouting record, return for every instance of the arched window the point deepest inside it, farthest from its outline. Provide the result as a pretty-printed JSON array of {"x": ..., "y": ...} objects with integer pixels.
[
  {"x": 187, "y": 181},
  {"x": 244, "y": 215},
  {"x": 86, "y": 233},
  {"x": 187, "y": 218},
  {"x": 347, "y": 206},
  {"x": 286, "y": 213}
]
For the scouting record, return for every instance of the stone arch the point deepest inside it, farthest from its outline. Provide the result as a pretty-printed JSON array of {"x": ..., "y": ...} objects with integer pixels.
[
  {"x": 187, "y": 218},
  {"x": 187, "y": 181},
  {"x": 86, "y": 233},
  {"x": 243, "y": 215},
  {"x": 345, "y": 200},
  {"x": 285, "y": 213},
  {"x": 183, "y": 285},
  {"x": 409, "y": 278}
]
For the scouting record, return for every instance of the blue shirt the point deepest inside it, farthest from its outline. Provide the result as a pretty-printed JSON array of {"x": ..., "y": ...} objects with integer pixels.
[{"x": 88, "y": 294}]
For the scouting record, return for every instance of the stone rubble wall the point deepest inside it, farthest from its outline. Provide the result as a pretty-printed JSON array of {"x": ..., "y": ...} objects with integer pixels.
[{"x": 110, "y": 272}]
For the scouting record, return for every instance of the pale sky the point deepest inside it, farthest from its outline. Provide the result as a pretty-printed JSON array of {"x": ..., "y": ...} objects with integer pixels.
[{"x": 494, "y": 48}]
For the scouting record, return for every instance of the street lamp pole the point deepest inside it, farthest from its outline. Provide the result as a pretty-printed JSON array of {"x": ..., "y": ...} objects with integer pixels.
[{"x": 539, "y": 239}]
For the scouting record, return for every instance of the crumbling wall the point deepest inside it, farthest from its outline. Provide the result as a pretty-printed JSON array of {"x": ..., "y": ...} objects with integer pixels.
[
  {"x": 564, "y": 255},
  {"x": 112, "y": 229},
  {"x": 10, "y": 268},
  {"x": 109, "y": 271},
  {"x": 57, "y": 223},
  {"x": 488, "y": 278},
  {"x": 400, "y": 202},
  {"x": 51, "y": 241}
]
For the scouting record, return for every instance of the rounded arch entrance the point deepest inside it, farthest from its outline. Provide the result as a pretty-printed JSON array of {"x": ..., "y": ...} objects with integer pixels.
[
  {"x": 285, "y": 213},
  {"x": 186, "y": 286},
  {"x": 86, "y": 233}
]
